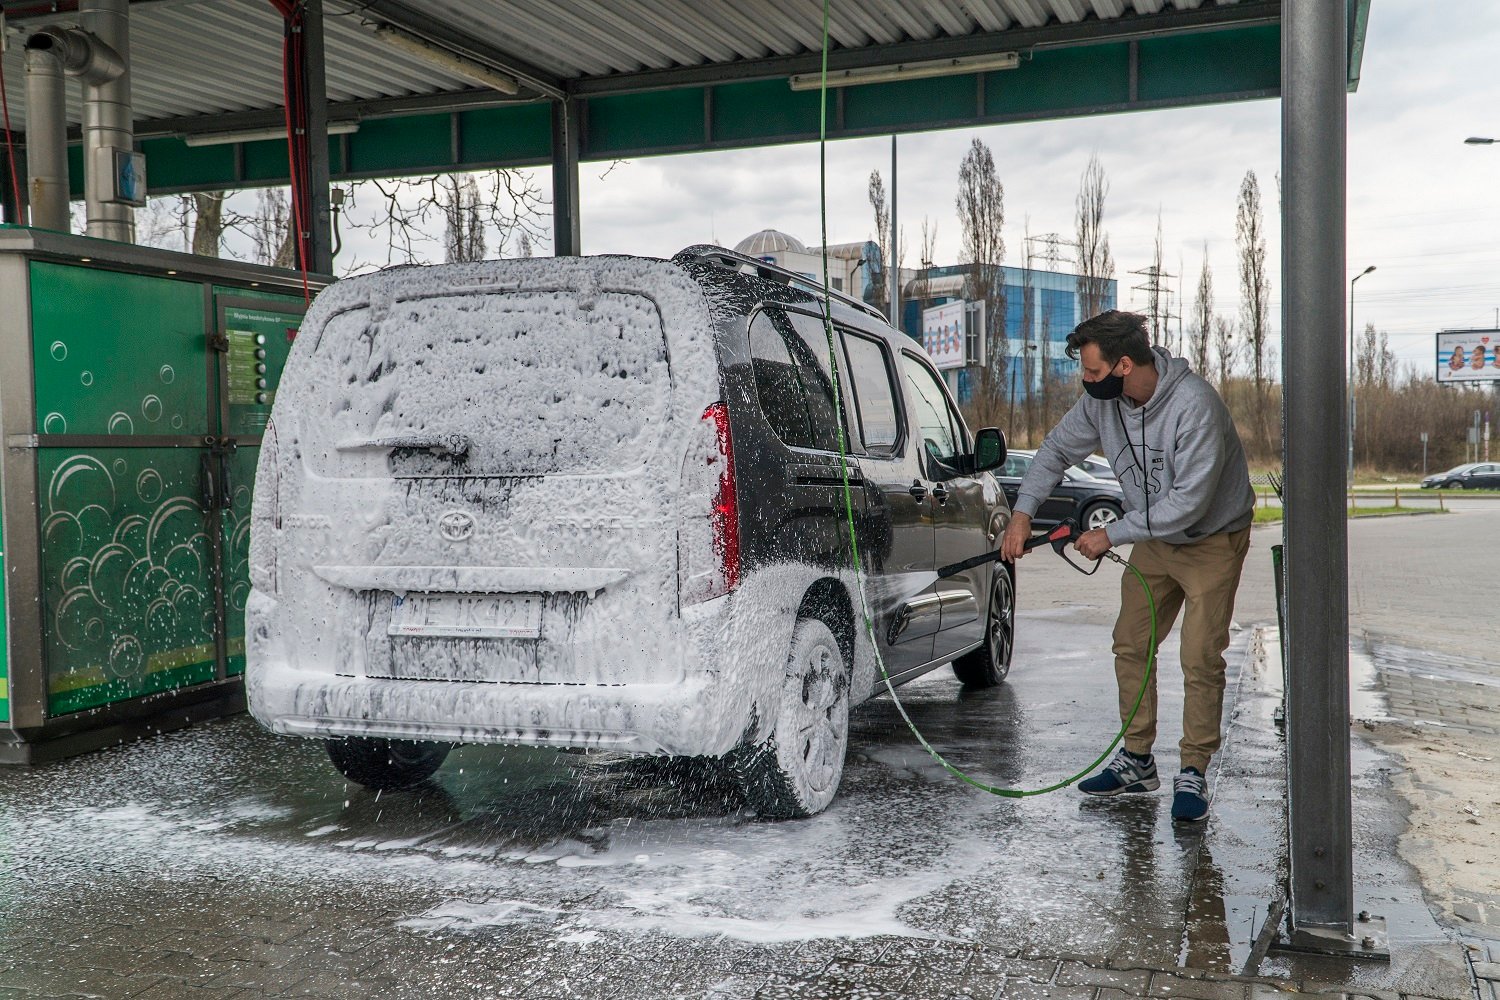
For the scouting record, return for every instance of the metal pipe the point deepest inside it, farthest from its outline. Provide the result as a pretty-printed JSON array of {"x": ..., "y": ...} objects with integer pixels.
[
  {"x": 107, "y": 121},
  {"x": 320, "y": 236},
  {"x": 1319, "y": 803},
  {"x": 46, "y": 138}
]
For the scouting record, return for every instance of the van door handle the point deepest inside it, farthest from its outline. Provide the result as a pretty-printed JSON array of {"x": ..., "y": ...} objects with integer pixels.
[
  {"x": 940, "y": 493},
  {"x": 918, "y": 491}
]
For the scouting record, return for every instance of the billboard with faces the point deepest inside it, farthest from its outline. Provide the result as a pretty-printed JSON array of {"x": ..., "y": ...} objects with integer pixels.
[{"x": 1468, "y": 356}]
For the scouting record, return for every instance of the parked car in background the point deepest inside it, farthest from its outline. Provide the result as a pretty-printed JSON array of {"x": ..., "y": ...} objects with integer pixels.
[
  {"x": 1093, "y": 503},
  {"x": 1469, "y": 476},
  {"x": 1096, "y": 466},
  {"x": 599, "y": 503}
]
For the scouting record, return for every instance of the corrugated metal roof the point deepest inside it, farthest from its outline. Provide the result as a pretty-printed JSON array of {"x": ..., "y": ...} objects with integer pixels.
[{"x": 206, "y": 57}]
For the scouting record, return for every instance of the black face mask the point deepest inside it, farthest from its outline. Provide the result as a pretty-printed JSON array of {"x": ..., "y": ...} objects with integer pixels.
[{"x": 1108, "y": 387}]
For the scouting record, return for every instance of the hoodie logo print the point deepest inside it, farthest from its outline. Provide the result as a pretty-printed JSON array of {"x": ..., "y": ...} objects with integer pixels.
[{"x": 1149, "y": 481}]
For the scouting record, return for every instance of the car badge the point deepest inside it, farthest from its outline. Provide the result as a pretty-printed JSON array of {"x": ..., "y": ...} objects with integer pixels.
[{"x": 455, "y": 526}]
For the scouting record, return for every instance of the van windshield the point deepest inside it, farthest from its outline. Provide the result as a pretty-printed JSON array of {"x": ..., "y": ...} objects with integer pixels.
[{"x": 495, "y": 384}]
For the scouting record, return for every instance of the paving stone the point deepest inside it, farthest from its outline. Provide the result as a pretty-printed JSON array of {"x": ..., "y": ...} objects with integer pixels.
[
  {"x": 1025, "y": 989},
  {"x": 1487, "y": 970},
  {"x": 1134, "y": 981},
  {"x": 1171, "y": 984}
]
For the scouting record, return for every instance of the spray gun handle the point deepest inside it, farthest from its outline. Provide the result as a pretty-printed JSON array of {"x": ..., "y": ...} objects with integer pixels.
[{"x": 1058, "y": 537}]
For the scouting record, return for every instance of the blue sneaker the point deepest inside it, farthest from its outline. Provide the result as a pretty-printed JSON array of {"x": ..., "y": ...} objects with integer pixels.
[
  {"x": 1125, "y": 773},
  {"x": 1190, "y": 796}
]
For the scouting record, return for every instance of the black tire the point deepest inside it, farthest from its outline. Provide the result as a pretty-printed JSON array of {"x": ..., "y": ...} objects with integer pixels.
[
  {"x": 1100, "y": 514},
  {"x": 796, "y": 772},
  {"x": 990, "y": 663},
  {"x": 386, "y": 764}
]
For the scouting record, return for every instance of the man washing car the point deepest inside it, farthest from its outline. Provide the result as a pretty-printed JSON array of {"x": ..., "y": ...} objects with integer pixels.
[{"x": 1171, "y": 442}]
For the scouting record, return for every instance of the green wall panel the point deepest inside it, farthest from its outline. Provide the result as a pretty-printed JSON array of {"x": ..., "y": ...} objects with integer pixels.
[
  {"x": 495, "y": 135},
  {"x": 171, "y": 163},
  {"x": 663, "y": 119},
  {"x": 1198, "y": 67},
  {"x": 421, "y": 143},
  {"x": 127, "y": 581},
  {"x": 1060, "y": 81},
  {"x": 745, "y": 111},
  {"x": 909, "y": 103},
  {"x": 117, "y": 353}
]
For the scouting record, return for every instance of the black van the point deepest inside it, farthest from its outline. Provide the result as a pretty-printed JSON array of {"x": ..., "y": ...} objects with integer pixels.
[{"x": 598, "y": 502}]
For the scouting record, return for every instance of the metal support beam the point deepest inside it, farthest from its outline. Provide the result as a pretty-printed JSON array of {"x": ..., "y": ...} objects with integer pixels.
[
  {"x": 566, "y": 233},
  {"x": 314, "y": 72},
  {"x": 14, "y": 213},
  {"x": 1313, "y": 81}
]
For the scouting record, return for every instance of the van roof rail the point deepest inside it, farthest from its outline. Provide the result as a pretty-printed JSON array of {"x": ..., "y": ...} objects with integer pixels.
[{"x": 733, "y": 260}]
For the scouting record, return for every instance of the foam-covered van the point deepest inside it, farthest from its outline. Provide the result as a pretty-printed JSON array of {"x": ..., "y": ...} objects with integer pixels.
[{"x": 599, "y": 503}]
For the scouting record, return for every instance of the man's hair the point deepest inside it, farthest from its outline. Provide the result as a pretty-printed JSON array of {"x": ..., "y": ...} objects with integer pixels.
[{"x": 1117, "y": 335}]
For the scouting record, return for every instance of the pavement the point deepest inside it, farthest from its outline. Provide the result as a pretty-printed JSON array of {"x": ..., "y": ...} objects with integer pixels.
[{"x": 223, "y": 862}]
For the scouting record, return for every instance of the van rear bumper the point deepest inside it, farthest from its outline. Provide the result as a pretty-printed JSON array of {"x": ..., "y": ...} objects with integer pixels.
[{"x": 693, "y": 717}]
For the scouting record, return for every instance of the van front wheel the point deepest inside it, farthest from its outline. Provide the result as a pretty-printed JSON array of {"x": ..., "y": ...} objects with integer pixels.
[
  {"x": 386, "y": 764},
  {"x": 796, "y": 772}
]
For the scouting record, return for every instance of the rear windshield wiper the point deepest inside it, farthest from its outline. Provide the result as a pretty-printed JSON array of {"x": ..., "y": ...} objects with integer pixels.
[{"x": 456, "y": 445}]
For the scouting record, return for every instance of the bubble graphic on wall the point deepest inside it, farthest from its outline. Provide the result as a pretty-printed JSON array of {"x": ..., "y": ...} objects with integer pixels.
[
  {"x": 177, "y": 421},
  {"x": 86, "y": 377},
  {"x": 121, "y": 423},
  {"x": 55, "y": 423},
  {"x": 148, "y": 486},
  {"x": 120, "y": 467},
  {"x": 59, "y": 351},
  {"x": 151, "y": 408},
  {"x": 127, "y": 658},
  {"x": 167, "y": 374}
]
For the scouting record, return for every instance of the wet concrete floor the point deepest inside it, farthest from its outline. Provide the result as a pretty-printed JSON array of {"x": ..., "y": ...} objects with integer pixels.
[{"x": 222, "y": 861}]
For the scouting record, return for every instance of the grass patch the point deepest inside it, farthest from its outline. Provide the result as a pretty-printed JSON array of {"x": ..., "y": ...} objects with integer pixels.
[{"x": 1272, "y": 515}]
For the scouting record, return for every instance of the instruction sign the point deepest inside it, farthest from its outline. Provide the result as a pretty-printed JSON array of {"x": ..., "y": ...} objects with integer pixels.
[
  {"x": 1468, "y": 356},
  {"x": 258, "y": 343},
  {"x": 943, "y": 334}
]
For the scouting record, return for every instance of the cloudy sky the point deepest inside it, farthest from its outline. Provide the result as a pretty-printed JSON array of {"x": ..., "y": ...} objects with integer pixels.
[{"x": 1423, "y": 207}]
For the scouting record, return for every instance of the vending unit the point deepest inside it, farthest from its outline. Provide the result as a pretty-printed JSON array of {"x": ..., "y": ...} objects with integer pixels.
[{"x": 135, "y": 384}]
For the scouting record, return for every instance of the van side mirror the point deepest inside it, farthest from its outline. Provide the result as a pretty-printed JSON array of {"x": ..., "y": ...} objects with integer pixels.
[{"x": 989, "y": 449}]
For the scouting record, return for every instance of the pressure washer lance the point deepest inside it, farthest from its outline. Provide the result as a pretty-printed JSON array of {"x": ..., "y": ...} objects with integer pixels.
[{"x": 1059, "y": 538}]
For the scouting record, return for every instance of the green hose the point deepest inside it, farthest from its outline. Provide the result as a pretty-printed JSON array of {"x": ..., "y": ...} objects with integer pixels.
[{"x": 838, "y": 409}]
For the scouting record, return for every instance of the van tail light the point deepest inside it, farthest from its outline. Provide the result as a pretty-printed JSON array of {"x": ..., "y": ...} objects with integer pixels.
[
  {"x": 265, "y": 514},
  {"x": 708, "y": 547}
]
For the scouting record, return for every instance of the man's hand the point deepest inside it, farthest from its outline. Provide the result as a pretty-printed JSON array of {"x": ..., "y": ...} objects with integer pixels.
[
  {"x": 1093, "y": 544},
  {"x": 1013, "y": 542}
]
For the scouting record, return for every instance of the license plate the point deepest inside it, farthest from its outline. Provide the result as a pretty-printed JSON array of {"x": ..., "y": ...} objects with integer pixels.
[{"x": 467, "y": 616}]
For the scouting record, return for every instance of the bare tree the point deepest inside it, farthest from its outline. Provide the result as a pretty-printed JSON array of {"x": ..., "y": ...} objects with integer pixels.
[
  {"x": 1255, "y": 287},
  {"x": 523, "y": 244},
  {"x": 1096, "y": 265},
  {"x": 463, "y": 224},
  {"x": 880, "y": 295},
  {"x": 507, "y": 203},
  {"x": 1154, "y": 289},
  {"x": 922, "y": 284},
  {"x": 1202, "y": 330},
  {"x": 1224, "y": 349},
  {"x": 981, "y": 217},
  {"x": 1374, "y": 362}
]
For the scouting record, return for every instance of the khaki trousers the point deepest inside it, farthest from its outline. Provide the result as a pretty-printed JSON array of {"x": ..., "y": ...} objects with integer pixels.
[{"x": 1204, "y": 575}]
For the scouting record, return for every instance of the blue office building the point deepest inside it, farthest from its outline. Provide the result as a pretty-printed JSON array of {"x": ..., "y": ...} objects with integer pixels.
[{"x": 1054, "y": 312}]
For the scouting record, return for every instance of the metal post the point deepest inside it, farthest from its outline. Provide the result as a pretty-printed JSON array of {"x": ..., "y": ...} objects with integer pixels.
[
  {"x": 1319, "y": 802},
  {"x": 317, "y": 136},
  {"x": 567, "y": 237},
  {"x": 895, "y": 262},
  {"x": 46, "y": 138}
]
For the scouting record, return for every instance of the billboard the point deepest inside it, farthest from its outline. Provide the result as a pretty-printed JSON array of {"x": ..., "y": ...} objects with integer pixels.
[
  {"x": 1468, "y": 356},
  {"x": 943, "y": 334}
]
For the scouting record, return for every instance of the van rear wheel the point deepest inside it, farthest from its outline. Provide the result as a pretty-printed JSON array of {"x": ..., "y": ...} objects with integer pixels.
[
  {"x": 796, "y": 772},
  {"x": 386, "y": 764},
  {"x": 987, "y": 666}
]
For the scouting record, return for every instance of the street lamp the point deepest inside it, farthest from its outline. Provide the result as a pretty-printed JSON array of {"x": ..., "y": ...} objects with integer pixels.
[{"x": 1351, "y": 370}]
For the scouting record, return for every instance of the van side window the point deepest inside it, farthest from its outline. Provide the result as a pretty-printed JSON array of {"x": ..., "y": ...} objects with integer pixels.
[
  {"x": 870, "y": 374},
  {"x": 937, "y": 426},
  {"x": 795, "y": 397}
]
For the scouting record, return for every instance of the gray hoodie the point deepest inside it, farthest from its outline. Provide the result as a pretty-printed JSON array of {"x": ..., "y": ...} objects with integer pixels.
[{"x": 1178, "y": 459}]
